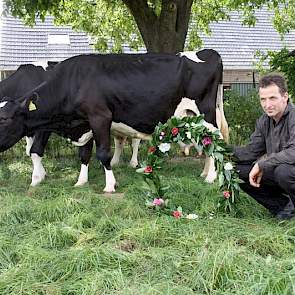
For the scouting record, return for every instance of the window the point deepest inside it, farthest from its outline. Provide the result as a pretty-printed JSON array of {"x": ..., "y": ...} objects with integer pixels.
[{"x": 54, "y": 39}]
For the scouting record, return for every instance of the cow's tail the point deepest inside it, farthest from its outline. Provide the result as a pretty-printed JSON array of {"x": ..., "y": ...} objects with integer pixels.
[{"x": 220, "y": 117}]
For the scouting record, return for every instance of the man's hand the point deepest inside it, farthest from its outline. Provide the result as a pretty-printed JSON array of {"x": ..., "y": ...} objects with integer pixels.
[{"x": 255, "y": 176}]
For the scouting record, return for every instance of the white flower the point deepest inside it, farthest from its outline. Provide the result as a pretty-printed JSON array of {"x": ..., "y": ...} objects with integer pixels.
[
  {"x": 192, "y": 216},
  {"x": 228, "y": 166},
  {"x": 187, "y": 125},
  {"x": 188, "y": 134},
  {"x": 164, "y": 147}
]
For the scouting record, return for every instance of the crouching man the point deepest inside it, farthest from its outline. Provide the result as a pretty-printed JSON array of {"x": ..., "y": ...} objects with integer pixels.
[{"x": 267, "y": 163}]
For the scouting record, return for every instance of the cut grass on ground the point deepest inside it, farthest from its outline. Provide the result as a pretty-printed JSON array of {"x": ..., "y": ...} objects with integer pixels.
[{"x": 57, "y": 239}]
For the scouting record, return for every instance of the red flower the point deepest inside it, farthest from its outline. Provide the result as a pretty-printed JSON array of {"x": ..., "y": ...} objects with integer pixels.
[
  {"x": 207, "y": 140},
  {"x": 148, "y": 169},
  {"x": 177, "y": 214},
  {"x": 174, "y": 131},
  {"x": 152, "y": 149},
  {"x": 226, "y": 194}
]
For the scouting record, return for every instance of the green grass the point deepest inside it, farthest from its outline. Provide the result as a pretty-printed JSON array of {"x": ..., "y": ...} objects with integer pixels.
[{"x": 57, "y": 239}]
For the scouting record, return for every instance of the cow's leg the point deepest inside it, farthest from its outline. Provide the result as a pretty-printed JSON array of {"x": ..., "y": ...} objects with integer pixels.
[
  {"x": 101, "y": 126},
  {"x": 85, "y": 152},
  {"x": 29, "y": 143},
  {"x": 211, "y": 173},
  {"x": 206, "y": 168},
  {"x": 220, "y": 117},
  {"x": 185, "y": 148},
  {"x": 37, "y": 151},
  {"x": 39, "y": 172},
  {"x": 134, "y": 158},
  {"x": 119, "y": 144}
]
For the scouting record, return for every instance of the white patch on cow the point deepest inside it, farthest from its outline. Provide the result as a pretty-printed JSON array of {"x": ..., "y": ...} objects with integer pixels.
[
  {"x": 83, "y": 176},
  {"x": 122, "y": 129},
  {"x": 192, "y": 55},
  {"x": 29, "y": 141},
  {"x": 181, "y": 111},
  {"x": 185, "y": 105},
  {"x": 83, "y": 139},
  {"x": 38, "y": 170},
  {"x": 2, "y": 104},
  {"x": 110, "y": 181}
]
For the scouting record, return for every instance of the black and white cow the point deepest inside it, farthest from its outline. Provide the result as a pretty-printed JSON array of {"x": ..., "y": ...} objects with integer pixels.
[
  {"x": 23, "y": 80},
  {"x": 129, "y": 93}
]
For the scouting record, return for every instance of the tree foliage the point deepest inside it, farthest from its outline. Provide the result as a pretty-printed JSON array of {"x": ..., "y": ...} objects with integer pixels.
[
  {"x": 282, "y": 61},
  {"x": 160, "y": 25}
]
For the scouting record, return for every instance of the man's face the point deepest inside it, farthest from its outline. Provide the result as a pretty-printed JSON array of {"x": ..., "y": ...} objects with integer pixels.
[{"x": 273, "y": 102}]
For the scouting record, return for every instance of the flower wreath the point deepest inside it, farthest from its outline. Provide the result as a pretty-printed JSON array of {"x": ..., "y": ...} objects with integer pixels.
[{"x": 189, "y": 130}]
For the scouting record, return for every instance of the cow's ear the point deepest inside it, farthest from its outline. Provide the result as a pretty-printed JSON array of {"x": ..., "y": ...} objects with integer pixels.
[
  {"x": 31, "y": 102},
  {"x": 27, "y": 105},
  {"x": 32, "y": 106}
]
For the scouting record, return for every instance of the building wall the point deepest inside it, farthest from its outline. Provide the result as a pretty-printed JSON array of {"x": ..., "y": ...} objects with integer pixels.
[{"x": 239, "y": 76}]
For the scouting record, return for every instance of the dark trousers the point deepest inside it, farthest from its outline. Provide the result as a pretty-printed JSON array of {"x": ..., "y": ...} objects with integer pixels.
[{"x": 277, "y": 187}]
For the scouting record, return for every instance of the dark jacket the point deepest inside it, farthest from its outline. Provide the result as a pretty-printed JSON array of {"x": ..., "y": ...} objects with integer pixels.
[{"x": 272, "y": 143}]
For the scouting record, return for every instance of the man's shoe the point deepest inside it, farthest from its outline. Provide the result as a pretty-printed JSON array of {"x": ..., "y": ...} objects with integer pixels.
[
  {"x": 285, "y": 214},
  {"x": 290, "y": 204}
]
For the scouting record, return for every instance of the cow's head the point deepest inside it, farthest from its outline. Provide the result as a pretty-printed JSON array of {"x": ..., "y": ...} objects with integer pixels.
[{"x": 11, "y": 122}]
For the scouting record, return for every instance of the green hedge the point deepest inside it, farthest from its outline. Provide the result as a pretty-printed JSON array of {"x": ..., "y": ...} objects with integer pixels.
[{"x": 241, "y": 113}]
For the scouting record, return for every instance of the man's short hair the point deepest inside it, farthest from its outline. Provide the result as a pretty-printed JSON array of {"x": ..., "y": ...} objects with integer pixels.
[{"x": 277, "y": 80}]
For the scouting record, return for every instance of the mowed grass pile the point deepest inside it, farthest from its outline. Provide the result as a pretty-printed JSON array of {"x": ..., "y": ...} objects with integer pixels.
[{"x": 57, "y": 239}]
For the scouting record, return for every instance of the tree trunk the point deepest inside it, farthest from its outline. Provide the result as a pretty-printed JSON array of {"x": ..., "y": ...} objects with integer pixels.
[{"x": 165, "y": 32}]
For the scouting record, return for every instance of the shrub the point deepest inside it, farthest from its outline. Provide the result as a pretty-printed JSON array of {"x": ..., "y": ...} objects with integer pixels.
[{"x": 241, "y": 113}]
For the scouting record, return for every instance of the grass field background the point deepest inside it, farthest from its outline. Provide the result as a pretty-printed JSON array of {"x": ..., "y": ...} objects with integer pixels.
[{"x": 57, "y": 239}]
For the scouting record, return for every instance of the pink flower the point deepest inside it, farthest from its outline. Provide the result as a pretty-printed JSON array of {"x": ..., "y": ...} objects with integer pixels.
[
  {"x": 206, "y": 140},
  {"x": 177, "y": 214},
  {"x": 162, "y": 134},
  {"x": 174, "y": 131},
  {"x": 226, "y": 194},
  {"x": 152, "y": 149},
  {"x": 158, "y": 202},
  {"x": 148, "y": 169}
]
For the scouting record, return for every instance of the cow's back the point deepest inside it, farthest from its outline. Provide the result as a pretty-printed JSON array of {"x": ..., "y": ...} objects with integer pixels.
[
  {"x": 140, "y": 90},
  {"x": 22, "y": 81}
]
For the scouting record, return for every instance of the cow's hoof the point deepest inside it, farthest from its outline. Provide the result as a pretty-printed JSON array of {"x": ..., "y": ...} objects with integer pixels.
[
  {"x": 133, "y": 164},
  {"x": 186, "y": 152},
  {"x": 211, "y": 178},
  {"x": 203, "y": 174},
  {"x": 109, "y": 190},
  {"x": 37, "y": 179},
  {"x": 80, "y": 183}
]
